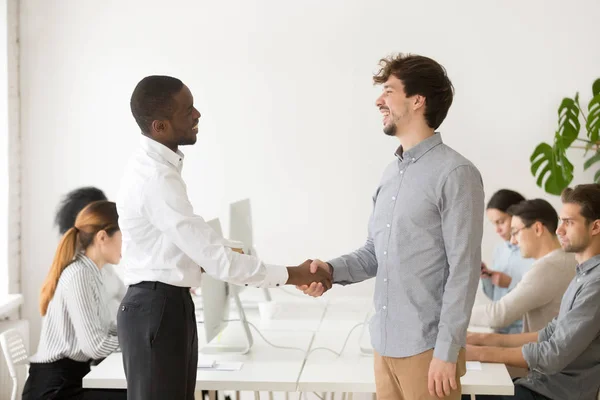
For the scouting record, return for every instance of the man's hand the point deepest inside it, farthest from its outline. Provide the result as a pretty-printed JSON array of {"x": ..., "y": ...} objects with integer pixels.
[
  {"x": 307, "y": 275},
  {"x": 473, "y": 353},
  {"x": 500, "y": 279},
  {"x": 476, "y": 339},
  {"x": 441, "y": 378},
  {"x": 485, "y": 272},
  {"x": 315, "y": 289}
]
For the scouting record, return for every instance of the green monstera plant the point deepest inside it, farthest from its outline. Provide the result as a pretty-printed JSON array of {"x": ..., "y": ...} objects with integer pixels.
[{"x": 549, "y": 163}]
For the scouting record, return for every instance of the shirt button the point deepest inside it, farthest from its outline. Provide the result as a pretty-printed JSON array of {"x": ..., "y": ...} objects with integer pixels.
[
  {"x": 385, "y": 280},
  {"x": 401, "y": 171},
  {"x": 384, "y": 307},
  {"x": 393, "y": 197},
  {"x": 384, "y": 253},
  {"x": 413, "y": 159},
  {"x": 388, "y": 225}
]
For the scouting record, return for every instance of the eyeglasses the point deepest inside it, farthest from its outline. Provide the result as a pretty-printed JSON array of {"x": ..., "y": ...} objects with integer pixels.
[{"x": 516, "y": 232}]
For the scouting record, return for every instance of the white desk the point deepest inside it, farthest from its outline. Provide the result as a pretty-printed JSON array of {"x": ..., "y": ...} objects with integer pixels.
[
  {"x": 265, "y": 368},
  {"x": 270, "y": 369},
  {"x": 294, "y": 312},
  {"x": 290, "y": 316},
  {"x": 325, "y": 372},
  {"x": 493, "y": 379},
  {"x": 353, "y": 371},
  {"x": 109, "y": 374},
  {"x": 342, "y": 318},
  {"x": 480, "y": 329}
]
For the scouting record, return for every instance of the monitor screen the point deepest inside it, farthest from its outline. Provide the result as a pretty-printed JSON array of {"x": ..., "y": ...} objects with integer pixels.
[{"x": 215, "y": 298}]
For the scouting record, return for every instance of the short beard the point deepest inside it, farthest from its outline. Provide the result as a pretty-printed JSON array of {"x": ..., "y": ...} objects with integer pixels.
[
  {"x": 573, "y": 249},
  {"x": 188, "y": 141},
  {"x": 576, "y": 248},
  {"x": 390, "y": 129}
]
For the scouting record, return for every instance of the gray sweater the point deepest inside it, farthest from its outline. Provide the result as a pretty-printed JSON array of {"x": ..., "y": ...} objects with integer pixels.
[{"x": 536, "y": 298}]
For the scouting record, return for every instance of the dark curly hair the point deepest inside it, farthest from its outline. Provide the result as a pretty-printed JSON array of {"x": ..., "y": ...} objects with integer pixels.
[
  {"x": 73, "y": 202},
  {"x": 423, "y": 76}
]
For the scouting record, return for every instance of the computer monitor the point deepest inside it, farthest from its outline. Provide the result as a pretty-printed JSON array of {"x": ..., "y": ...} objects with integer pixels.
[
  {"x": 216, "y": 298},
  {"x": 240, "y": 228}
]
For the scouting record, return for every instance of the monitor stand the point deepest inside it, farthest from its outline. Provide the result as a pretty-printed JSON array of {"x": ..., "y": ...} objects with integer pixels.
[
  {"x": 267, "y": 294},
  {"x": 225, "y": 348}
]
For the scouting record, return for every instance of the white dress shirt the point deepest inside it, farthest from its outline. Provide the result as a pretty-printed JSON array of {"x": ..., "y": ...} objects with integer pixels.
[{"x": 164, "y": 241}]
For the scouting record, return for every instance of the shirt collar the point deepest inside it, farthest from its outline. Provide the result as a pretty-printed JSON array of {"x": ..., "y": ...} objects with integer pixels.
[
  {"x": 420, "y": 149},
  {"x": 589, "y": 265},
  {"x": 88, "y": 263},
  {"x": 152, "y": 146},
  {"x": 512, "y": 247}
]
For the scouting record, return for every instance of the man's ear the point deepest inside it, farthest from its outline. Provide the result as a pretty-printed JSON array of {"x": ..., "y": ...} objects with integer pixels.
[
  {"x": 418, "y": 102},
  {"x": 539, "y": 228},
  {"x": 158, "y": 126},
  {"x": 596, "y": 227}
]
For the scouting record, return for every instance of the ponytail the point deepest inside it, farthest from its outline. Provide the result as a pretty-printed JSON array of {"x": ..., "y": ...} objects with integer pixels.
[{"x": 63, "y": 257}]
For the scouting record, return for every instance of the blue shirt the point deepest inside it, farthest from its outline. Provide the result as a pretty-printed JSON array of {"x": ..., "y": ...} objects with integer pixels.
[{"x": 507, "y": 259}]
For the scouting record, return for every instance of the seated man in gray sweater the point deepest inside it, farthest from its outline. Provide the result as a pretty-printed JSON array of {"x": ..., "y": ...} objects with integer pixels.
[
  {"x": 536, "y": 298},
  {"x": 564, "y": 357}
]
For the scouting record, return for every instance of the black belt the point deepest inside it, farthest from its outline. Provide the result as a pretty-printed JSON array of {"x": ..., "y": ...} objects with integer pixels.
[{"x": 162, "y": 287}]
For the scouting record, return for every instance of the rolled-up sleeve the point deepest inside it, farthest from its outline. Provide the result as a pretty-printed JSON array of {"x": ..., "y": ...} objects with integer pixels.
[
  {"x": 462, "y": 209},
  {"x": 565, "y": 338},
  {"x": 546, "y": 332}
]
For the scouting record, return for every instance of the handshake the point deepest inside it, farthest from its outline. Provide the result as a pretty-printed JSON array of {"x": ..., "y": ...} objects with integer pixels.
[{"x": 313, "y": 277}]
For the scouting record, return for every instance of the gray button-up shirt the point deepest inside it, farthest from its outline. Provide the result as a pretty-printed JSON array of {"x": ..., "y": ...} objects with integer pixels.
[
  {"x": 565, "y": 362},
  {"x": 424, "y": 247}
]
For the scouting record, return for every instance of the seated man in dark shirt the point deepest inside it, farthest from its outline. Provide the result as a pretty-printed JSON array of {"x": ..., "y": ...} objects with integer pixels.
[{"x": 564, "y": 357}]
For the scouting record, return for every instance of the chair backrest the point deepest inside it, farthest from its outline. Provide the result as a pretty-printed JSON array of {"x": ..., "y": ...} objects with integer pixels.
[{"x": 15, "y": 353}]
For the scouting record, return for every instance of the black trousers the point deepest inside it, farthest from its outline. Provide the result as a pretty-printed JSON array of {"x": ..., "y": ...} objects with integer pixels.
[
  {"x": 62, "y": 380},
  {"x": 521, "y": 393},
  {"x": 157, "y": 332}
]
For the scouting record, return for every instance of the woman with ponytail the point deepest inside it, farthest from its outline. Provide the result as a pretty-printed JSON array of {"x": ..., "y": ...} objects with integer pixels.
[{"x": 76, "y": 325}]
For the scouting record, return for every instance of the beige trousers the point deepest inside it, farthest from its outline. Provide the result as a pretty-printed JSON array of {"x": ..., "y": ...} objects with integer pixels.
[{"x": 406, "y": 378}]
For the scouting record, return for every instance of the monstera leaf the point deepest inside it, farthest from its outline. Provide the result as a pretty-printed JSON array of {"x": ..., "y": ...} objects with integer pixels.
[
  {"x": 553, "y": 170},
  {"x": 549, "y": 163},
  {"x": 593, "y": 120},
  {"x": 568, "y": 122},
  {"x": 591, "y": 161}
]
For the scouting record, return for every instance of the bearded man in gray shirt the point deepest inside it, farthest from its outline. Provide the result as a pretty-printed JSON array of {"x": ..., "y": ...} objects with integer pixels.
[
  {"x": 424, "y": 240},
  {"x": 564, "y": 357}
]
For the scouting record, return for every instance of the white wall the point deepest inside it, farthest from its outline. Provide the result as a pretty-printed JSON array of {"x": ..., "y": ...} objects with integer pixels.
[
  {"x": 3, "y": 148},
  {"x": 9, "y": 149},
  {"x": 288, "y": 106}
]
